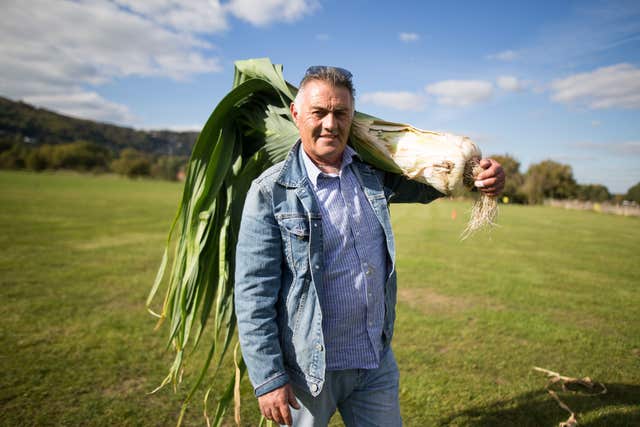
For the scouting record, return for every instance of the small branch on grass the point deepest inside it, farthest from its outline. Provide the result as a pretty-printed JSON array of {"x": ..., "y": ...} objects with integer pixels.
[
  {"x": 585, "y": 385},
  {"x": 236, "y": 386}
]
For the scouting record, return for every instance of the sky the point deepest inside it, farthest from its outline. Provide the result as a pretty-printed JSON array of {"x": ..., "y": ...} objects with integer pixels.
[{"x": 536, "y": 80}]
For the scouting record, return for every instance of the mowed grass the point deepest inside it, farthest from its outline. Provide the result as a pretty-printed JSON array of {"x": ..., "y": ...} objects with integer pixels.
[{"x": 549, "y": 288}]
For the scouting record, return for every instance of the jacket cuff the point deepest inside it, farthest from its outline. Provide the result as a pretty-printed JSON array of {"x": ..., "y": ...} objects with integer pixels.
[{"x": 276, "y": 381}]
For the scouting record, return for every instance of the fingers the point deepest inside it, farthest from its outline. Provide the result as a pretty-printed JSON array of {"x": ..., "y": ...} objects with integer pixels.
[
  {"x": 285, "y": 415},
  {"x": 485, "y": 163},
  {"x": 490, "y": 186},
  {"x": 275, "y": 405},
  {"x": 293, "y": 401},
  {"x": 491, "y": 169},
  {"x": 491, "y": 180},
  {"x": 280, "y": 415}
]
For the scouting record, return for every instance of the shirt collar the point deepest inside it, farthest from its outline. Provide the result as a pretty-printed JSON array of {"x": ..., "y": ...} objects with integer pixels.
[{"x": 313, "y": 171}]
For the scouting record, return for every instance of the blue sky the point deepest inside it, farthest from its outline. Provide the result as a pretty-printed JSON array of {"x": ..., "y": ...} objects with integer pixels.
[{"x": 537, "y": 80}]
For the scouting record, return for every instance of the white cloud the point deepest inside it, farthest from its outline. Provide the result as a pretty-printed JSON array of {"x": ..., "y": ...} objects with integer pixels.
[
  {"x": 68, "y": 47},
  {"x": 404, "y": 101},
  {"x": 510, "y": 83},
  {"x": 187, "y": 16},
  {"x": 85, "y": 104},
  {"x": 409, "y": 37},
  {"x": 461, "y": 93},
  {"x": 616, "y": 86},
  {"x": 264, "y": 12},
  {"x": 505, "y": 55},
  {"x": 52, "y": 49}
]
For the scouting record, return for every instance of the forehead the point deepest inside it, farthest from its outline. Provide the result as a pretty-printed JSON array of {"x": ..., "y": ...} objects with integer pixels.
[{"x": 325, "y": 94}]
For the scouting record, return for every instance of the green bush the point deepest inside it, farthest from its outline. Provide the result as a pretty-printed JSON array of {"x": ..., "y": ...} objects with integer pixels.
[
  {"x": 132, "y": 163},
  {"x": 633, "y": 194},
  {"x": 13, "y": 156},
  {"x": 80, "y": 155},
  {"x": 593, "y": 193},
  {"x": 549, "y": 179},
  {"x": 168, "y": 167}
]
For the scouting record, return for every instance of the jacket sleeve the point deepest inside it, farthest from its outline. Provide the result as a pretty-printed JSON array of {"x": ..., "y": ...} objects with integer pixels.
[
  {"x": 400, "y": 189},
  {"x": 257, "y": 285}
]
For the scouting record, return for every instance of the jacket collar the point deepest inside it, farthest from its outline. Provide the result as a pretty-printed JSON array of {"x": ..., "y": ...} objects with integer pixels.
[{"x": 294, "y": 174}]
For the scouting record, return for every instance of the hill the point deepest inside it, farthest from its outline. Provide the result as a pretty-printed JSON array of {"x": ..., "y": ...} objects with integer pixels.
[{"x": 23, "y": 123}]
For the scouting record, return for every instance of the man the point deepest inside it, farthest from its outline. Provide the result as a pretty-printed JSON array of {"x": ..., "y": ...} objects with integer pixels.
[{"x": 315, "y": 270}]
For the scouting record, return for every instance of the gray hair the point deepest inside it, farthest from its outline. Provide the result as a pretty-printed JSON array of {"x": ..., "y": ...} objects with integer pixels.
[{"x": 336, "y": 76}]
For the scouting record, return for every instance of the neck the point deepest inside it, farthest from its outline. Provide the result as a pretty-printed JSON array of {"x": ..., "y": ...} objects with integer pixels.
[
  {"x": 328, "y": 167},
  {"x": 324, "y": 164}
]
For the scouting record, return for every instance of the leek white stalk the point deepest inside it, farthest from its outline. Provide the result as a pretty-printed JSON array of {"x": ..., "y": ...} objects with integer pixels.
[{"x": 447, "y": 162}]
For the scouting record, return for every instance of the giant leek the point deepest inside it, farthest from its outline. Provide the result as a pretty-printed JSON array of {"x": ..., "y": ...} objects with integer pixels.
[{"x": 249, "y": 130}]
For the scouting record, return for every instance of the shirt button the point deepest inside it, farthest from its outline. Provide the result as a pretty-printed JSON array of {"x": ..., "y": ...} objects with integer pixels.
[
  {"x": 314, "y": 387},
  {"x": 319, "y": 347},
  {"x": 368, "y": 273},
  {"x": 317, "y": 267},
  {"x": 315, "y": 224}
]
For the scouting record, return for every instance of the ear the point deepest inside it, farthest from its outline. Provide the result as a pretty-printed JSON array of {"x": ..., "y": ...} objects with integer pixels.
[{"x": 294, "y": 113}]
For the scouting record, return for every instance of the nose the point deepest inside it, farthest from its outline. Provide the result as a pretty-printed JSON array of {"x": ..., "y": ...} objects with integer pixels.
[{"x": 329, "y": 122}]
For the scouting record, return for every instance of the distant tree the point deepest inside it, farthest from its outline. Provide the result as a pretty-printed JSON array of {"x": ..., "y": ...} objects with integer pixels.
[
  {"x": 633, "y": 193},
  {"x": 6, "y": 144},
  {"x": 167, "y": 167},
  {"x": 618, "y": 198},
  {"x": 549, "y": 179},
  {"x": 132, "y": 163},
  {"x": 593, "y": 192},
  {"x": 37, "y": 159},
  {"x": 13, "y": 156},
  {"x": 514, "y": 179},
  {"x": 79, "y": 155}
]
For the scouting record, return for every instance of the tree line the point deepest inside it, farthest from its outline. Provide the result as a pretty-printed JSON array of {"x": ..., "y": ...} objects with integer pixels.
[
  {"x": 23, "y": 123},
  {"x": 86, "y": 156},
  {"x": 552, "y": 180},
  {"x": 37, "y": 139},
  {"x": 545, "y": 180}
]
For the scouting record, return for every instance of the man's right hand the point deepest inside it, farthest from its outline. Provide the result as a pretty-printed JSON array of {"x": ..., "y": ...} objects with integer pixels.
[{"x": 275, "y": 404}]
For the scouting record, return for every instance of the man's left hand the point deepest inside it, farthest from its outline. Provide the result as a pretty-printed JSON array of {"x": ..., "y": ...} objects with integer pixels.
[{"x": 491, "y": 180}]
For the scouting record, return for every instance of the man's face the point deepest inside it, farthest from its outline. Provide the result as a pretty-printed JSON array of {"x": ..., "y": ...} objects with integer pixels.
[{"x": 323, "y": 117}]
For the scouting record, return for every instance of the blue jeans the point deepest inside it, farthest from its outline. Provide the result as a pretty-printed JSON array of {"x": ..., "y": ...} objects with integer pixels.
[{"x": 364, "y": 397}]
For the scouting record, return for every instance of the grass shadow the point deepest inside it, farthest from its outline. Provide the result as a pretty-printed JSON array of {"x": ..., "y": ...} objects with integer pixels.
[{"x": 620, "y": 406}]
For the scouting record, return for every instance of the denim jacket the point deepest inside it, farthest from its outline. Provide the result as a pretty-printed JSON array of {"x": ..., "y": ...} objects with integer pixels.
[{"x": 279, "y": 266}]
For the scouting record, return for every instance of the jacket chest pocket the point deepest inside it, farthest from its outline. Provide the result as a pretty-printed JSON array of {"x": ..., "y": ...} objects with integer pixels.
[{"x": 295, "y": 231}]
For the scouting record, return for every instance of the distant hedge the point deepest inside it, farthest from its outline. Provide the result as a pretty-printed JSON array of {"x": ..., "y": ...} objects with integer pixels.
[{"x": 90, "y": 157}]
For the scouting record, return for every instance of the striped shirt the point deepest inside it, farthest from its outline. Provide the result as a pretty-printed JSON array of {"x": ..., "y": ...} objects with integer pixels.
[{"x": 355, "y": 259}]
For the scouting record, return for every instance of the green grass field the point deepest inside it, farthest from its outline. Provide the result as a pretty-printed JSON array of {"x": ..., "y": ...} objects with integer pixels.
[{"x": 551, "y": 288}]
